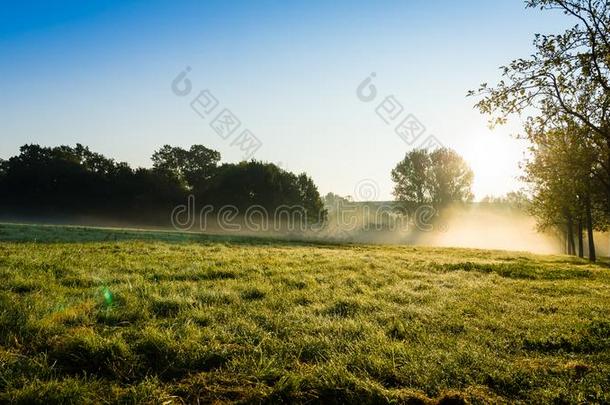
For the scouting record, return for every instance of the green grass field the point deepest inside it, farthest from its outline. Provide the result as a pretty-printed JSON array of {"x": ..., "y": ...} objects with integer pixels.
[{"x": 105, "y": 316}]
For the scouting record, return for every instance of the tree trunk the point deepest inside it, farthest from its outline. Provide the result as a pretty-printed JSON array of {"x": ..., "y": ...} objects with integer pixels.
[
  {"x": 570, "y": 235},
  {"x": 592, "y": 257},
  {"x": 581, "y": 247},
  {"x": 607, "y": 207}
]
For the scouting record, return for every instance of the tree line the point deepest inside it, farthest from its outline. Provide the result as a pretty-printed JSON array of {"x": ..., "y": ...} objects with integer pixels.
[
  {"x": 66, "y": 182},
  {"x": 563, "y": 91}
]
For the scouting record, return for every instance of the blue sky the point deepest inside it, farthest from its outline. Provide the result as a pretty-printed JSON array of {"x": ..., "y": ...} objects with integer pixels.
[{"x": 100, "y": 73}]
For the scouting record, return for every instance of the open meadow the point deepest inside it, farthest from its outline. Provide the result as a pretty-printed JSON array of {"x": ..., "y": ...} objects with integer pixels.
[{"x": 90, "y": 315}]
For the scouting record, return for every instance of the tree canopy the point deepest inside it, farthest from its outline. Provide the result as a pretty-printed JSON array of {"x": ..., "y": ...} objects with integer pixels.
[
  {"x": 435, "y": 178},
  {"x": 563, "y": 88},
  {"x": 68, "y": 182}
]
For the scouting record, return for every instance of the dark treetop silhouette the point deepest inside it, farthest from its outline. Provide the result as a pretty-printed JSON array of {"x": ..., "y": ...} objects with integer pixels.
[{"x": 66, "y": 183}]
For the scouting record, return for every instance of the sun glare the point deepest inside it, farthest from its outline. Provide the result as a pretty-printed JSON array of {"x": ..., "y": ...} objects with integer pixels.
[{"x": 493, "y": 157}]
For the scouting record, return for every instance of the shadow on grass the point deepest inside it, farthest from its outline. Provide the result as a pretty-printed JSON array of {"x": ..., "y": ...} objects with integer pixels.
[
  {"x": 517, "y": 270},
  {"x": 39, "y": 233}
]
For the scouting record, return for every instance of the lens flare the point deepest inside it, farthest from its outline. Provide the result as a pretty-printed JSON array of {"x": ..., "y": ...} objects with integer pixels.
[{"x": 108, "y": 298}]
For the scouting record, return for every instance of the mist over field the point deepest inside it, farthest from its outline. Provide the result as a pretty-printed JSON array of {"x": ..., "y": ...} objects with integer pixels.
[
  {"x": 484, "y": 226},
  {"x": 474, "y": 225}
]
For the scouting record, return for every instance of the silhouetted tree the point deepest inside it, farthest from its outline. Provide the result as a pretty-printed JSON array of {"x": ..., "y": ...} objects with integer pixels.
[
  {"x": 66, "y": 182},
  {"x": 435, "y": 178},
  {"x": 254, "y": 183},
  {"x": 193, "y": 167},
  {"x": 566, "y": 193},
  {"x": 566, "y": 78},
  {"x": 565, "y": 86},
  {"x": 512, "y": 199}
]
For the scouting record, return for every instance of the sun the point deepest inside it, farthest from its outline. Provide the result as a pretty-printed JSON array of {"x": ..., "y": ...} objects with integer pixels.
[{"x": 494, "y": 158}]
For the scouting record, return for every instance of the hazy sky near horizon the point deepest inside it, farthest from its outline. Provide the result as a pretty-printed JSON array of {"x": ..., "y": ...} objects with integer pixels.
[{"x": 100, "y": 73}]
